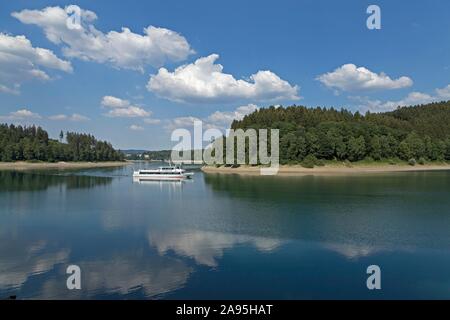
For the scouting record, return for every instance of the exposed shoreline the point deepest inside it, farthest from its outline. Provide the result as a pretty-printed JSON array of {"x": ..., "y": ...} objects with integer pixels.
[
  {"x": 21, "y": 165},
  {"x": 337, "y": 169}
]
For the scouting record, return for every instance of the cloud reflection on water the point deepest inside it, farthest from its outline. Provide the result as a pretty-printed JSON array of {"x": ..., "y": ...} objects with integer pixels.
[
  {"x": 205, "y": 247},
  {"x": 23, "y": 259}
]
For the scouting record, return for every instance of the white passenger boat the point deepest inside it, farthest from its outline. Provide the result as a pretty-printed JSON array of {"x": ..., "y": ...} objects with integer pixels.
[{"x": 163, "y": 173}]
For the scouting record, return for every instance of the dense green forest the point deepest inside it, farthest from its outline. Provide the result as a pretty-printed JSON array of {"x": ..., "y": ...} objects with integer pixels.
[
  {"x": 419, "y": 133},
  {"x": 32, "y": 143}
]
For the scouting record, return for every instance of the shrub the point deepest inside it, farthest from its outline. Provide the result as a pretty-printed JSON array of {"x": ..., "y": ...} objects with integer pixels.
[
  {"x": 394, "y": 161},
  {"x": 412, "y": 162},
  {"x": 348, "y": 164},
  {"x": 422, "y": 161},
  {"x": 309, "y": 161},
  {"x": 34, "y": 161},
  {"x": 319, "y": 163}
]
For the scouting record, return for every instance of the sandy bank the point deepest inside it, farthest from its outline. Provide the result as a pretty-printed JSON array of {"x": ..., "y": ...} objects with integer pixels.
[
  {"x": 58, "y": 165},
  {"x": 328, "y": 169}
]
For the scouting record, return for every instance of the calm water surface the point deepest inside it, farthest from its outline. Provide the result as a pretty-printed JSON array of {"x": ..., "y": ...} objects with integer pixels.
[{"x": 227, "y": 237}]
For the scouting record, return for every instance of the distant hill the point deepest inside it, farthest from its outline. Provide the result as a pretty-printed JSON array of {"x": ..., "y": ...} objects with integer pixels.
[
  {"x": 408, "y": 133},
  {"x": 133, "y": 154},
  {"x": 134, "y": 151},
  {"x": 158, "y": 155}
]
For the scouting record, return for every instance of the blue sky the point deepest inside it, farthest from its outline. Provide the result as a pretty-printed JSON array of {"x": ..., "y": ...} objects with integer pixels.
[{"x": 316, "y": 53}]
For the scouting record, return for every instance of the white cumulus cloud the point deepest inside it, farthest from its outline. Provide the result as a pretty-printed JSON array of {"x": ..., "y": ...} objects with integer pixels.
[
  {"x": 121, "y": 49},
  {"x": 135, "y": 127},
  {"x": 21, "y": 114},
  {"x": 5, "y": 89},
  {"x": 181, "y": 122},
  {"x": 205, "y": 82},
  {"x": 130, "y": 112},
  {"x": 20, "y": 62},
  {"x": 412, "y": 99},
  {"x": 120, "y": 108},
  {"x": 74, "y": 117},
  {"x": 223, "y": 119},
  {"x": 349, "y": 77},
  {"x": 218, "y": 120},
  {"x": 152, "y": 121},
  {"x": 113, "y": 102},
  {"x": 444, "y": 93}
]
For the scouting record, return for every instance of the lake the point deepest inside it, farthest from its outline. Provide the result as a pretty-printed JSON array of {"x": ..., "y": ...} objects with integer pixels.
[{"x": 224, "y": 236}]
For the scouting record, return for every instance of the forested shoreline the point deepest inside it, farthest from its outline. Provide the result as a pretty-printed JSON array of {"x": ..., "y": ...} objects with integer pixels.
[
  {"x": 32, "y": 143},
  {"x": 309, "y": 135}
]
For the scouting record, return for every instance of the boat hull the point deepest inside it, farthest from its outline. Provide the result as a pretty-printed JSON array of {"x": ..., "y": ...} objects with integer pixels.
[{"x": 160, "y": 177}]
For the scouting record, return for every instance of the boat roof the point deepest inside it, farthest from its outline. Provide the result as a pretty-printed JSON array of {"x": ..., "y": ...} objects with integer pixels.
[{"x": 161, "y": 168}]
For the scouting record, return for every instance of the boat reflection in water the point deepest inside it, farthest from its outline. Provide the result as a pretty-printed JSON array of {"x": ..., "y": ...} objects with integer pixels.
[
  {"x": 174, "y": 182},
  {"x": 175, "y": 185}
]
